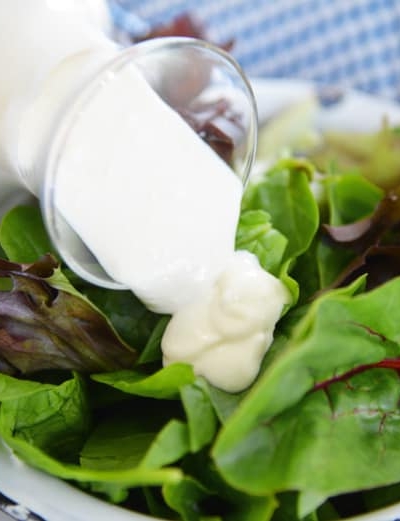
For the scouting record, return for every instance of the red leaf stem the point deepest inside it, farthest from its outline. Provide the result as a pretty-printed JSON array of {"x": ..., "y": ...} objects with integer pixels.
[{"x": 387, "y": 363}]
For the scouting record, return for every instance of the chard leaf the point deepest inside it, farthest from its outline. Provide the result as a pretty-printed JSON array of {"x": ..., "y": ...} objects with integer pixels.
[
  {"x": 256, "y": 234},
  {"x": 338, "y": 334},
  {"x": 285, "y": 194},
  {"x": 163, "y": 384},
  {"x": 45, "y": 327},
  {"x": 359, "y": 417},
  {"x": 23, "y": 235}
]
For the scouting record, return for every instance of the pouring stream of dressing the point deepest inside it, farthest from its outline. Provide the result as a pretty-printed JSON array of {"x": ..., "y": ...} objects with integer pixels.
[{"x": 150, "y": 199}]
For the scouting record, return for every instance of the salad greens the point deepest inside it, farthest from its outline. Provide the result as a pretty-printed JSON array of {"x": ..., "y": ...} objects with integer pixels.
[{"x": 84, "y": 395}]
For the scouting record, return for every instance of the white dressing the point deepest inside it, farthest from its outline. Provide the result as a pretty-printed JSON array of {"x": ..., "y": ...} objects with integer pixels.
[
  {"x": 152, "y": 201},
  {"x": 227, "y": 332}
]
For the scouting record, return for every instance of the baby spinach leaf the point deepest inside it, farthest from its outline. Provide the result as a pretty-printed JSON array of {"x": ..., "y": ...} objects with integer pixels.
[
  {"x": 170, "y": 444},
  {"x": 331, "y": 262},
  {"x": 152, "y": 350},
  {"x": 103, "y": 480},
  {"x": 156, "y": 504},
  {"x": 287, "y": 510},
  {"x": 133, "y": 322},
  {"x": 123, "y": 443},
  {"x": 223, "y": 500},
  {"x": 186, "y": 497},
  {"x": 163, "y": 384},
  {"x": 224, "y": 403}
]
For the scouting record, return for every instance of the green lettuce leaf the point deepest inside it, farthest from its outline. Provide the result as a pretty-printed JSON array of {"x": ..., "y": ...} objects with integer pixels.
[
  {"x": 54, "y": 418},
  {"x": 13, "y": 388},
  {"x": 350, "y": 198},
  {"x": 285, "y": 194},
  {"x": 256, "y": 234},
  {"x": 373, "y": 155},
  {"x": 23, "y": 236}
]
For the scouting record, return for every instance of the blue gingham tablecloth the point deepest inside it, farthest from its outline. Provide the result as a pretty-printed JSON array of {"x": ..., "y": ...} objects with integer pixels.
[{"x": 350, "y": 43}]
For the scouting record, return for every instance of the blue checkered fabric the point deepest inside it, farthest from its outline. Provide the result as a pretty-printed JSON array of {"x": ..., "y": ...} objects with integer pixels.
[{"x": 352, "y": 43}]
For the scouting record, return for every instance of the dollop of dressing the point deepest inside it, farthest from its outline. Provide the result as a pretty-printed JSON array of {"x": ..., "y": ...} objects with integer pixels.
[{"x": 226, "y": 333}]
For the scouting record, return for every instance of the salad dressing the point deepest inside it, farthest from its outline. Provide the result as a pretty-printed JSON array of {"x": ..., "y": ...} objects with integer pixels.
[
  {"x": 163, "y": 214},
  {"x": 225, "y": 334}
]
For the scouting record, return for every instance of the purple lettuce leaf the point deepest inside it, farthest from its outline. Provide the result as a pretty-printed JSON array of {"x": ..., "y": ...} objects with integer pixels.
[{"x": 47, "y": 324}]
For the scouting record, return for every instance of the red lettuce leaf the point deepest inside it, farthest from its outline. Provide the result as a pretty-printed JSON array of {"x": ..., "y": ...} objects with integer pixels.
[
  {"x": 44, "y": 327},
  {"x": 217, "y": 124},
  {"x": 214, "y": 122},
  {"x": 375, "y": 241},
  {"x": 182, "y": 25}
]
